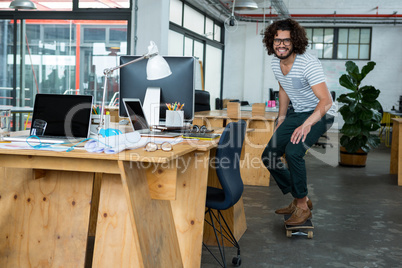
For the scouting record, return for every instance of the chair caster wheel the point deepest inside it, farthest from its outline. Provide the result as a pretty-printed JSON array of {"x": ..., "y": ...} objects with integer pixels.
[{"x": 236, "y": 261}]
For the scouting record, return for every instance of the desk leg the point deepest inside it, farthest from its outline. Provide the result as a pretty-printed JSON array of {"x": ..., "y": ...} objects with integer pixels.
[
  {"x": 253, "y": 171},
  {"x": 399, "y": 144},
  {"x": 396, "y": 151},
  {"x": 44, "y": 222},
  {"x": 189, "y": 206},
  {"x": 143, "y": 237}
]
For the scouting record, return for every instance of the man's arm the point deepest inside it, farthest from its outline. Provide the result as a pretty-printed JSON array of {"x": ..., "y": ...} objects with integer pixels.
[
  {"x": 283, "y": 105},
  {"x": 324, "y": 104}
]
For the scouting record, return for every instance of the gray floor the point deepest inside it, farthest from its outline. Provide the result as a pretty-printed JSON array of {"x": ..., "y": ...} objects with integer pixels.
[{"x": 357, "y": 216}]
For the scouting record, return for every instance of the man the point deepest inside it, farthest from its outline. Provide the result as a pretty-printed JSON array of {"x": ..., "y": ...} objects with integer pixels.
[{"x": 302, "y": 82}]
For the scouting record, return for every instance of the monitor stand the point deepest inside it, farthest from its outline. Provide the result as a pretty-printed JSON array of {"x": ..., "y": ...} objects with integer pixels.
[{"x": 152, "y": 105}]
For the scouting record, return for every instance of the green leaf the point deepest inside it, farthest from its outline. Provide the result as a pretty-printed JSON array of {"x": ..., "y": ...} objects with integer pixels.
[
  {"x": 353, "y": 105},
  {"x": 351, "y": 119},
  {"x": 369, "y": 93},
  {"x": 373, "y": 141},
  {"x": 365, "y": 148},
  {"x": 344, "y": 141},
  {"x": 376, "y": 105},
  {"x": 347, "y": 82},
  {"x": 377, "y": 116},
  {"x": 365, "y": 114},
  {"x": 344, "y": 99},
  {"x": 375, "y": 126},
  {"x": 354, "y": 145},
  {"x": 351, "y": 67},
  {"x": 368, "y": 68},
  {"x": 353, "y": 71},
  {"x": 351, "y": 130},
  {"x": 352, "y": 95}
]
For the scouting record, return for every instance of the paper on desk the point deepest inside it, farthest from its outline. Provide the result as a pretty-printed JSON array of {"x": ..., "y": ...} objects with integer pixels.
[
  {"x": 114, "y": 144},
  {"x": 118, "y": 143},
  {"x": 26, "y": 146}
]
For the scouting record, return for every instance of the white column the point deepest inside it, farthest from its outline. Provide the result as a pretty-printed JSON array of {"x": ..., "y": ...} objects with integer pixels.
[{"x": 153, "y": 24}]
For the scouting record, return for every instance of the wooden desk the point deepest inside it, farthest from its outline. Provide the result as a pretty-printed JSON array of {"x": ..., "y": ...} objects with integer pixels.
[
  {"x": 145, "y": 209},
  {"x": 253, "y": 170},
  {"x": 396, "y": 149}
]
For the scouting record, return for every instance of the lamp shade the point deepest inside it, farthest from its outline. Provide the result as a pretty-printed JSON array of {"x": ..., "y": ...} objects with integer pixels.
[
  {"x": 157, "y": 68},
  {"x": 22, "y": 4},
  {"x": 245, "y": 5}
]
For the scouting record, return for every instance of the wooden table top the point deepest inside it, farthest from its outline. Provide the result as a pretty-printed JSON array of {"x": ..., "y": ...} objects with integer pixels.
[
  {"x": 242, "y": 115},
  {"x": 139, "y": 154}
]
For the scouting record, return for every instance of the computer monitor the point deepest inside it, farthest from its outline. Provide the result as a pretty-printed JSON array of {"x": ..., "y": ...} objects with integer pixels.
[{"x": 178, "y": 87}]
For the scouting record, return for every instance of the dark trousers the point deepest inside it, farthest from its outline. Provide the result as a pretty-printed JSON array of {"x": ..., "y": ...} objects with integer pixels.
[{"x": 292, "y": 178}]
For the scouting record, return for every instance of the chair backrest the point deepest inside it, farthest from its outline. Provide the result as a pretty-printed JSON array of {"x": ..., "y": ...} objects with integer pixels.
[
  {"x": 201, "y": 101},
  {"x": 228, "y": 161},
  {"x": 333, "y": 94}
]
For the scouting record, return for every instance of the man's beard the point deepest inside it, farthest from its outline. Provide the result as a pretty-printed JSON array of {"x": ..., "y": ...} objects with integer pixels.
[{"x": 285, "y": 56}]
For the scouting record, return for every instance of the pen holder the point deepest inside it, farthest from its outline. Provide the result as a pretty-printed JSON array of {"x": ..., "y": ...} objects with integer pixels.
[{"x": 174, "y": 118}]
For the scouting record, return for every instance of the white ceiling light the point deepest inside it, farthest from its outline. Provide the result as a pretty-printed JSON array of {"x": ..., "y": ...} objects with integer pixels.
[
  {"x": 245, "y": 5},
  {"x": 22, "y": 4}
]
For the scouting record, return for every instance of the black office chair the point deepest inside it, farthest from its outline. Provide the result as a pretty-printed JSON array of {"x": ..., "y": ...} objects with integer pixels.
[
  {"x": 228, "y": 171},
  {"x": 201, "y": 101},
  {"x": 323, "y": 141}
]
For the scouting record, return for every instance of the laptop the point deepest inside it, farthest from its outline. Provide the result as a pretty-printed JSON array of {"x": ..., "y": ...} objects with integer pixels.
[
  {"x": 139, "y": 122},
  {"x": 59, "y": 119}
]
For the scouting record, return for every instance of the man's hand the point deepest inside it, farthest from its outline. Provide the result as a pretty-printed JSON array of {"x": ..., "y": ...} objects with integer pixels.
[
  {"x": 279, "y": 122},
  {"x": 300, "y": 133}
]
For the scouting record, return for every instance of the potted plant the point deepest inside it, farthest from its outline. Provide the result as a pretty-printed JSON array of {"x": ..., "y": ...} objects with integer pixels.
[{"x": 362, "y": 115}]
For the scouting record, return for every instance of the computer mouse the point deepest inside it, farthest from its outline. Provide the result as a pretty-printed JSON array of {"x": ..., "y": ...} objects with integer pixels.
[{"x": 123, "y": 122}]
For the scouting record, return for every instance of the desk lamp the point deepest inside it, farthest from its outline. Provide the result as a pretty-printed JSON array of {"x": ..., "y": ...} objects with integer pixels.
[{"x": 157, "y": 68}]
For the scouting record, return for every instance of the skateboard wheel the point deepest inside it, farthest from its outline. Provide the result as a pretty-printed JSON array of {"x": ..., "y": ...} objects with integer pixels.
[
  {"x": 310, "y": 234},
  {"x": 288, "y": 233}
]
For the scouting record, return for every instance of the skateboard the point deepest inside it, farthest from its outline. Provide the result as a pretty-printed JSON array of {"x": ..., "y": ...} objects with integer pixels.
[{"x": 303, "y": 229}]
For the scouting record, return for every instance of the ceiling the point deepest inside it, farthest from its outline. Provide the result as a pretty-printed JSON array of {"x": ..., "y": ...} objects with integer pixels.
[{"x": 313, "y": 11}]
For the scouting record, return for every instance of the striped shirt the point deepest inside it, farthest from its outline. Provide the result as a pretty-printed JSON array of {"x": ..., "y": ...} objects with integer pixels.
[{"x": 305, "y": 73}]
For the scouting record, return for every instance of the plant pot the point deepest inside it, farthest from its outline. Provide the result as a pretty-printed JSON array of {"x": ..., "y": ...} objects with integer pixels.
[{"x": 357, "y": 159}]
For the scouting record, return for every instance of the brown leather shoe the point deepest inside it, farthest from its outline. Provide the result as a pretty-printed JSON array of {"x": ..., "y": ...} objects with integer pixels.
[
  {"x": 299, "y": 216},
  {"x": 291, "y": 208}
]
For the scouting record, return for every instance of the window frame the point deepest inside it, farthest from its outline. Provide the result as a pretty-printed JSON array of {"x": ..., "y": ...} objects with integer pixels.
[
  {"x": 202, "y": 38},
  {"x": 336, "y": 42}
]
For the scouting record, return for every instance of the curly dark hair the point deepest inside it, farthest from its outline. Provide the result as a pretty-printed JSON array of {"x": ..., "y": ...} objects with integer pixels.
[{"x": 297, "y": 34}]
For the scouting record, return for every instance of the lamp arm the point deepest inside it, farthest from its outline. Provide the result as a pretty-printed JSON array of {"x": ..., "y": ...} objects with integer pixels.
[{"x": 109, "y": 71}]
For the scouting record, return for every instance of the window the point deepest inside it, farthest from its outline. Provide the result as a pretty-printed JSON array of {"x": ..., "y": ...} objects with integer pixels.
[
  {"x": 67, "y": 5},
  {"x": 61, "y": 52},
  {"x": 340, "y": 43},
  {"x": 192, "y": 33},
  {"x": 58, "y": 61}
]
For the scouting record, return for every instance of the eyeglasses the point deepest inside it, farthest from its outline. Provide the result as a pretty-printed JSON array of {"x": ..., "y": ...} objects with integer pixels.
[
  {"x": 286, "y": 41},
  {"x": 152, "y": 147},
  {"x": 199, "y": 129}
]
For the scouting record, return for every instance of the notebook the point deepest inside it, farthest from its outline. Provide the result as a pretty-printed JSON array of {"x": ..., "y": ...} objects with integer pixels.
[
  {"x": 64, "y": 118},
  {"x": 139, "y": 122},
  {"x": 201, "y": 136}
]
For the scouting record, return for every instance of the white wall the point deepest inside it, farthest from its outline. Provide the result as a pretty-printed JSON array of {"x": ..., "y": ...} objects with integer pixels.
[
  {"x": 248, "y": 75},
  {"x": 153, "y": 25}
]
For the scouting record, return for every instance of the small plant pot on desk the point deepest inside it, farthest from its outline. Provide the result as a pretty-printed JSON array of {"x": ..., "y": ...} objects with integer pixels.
[{"x": 357, "y": 159}]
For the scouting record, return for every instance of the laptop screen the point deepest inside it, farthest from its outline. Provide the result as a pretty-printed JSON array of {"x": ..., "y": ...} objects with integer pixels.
[
  {"x": 65, "y": 115},
  {"x": 136, "y": 114}
]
